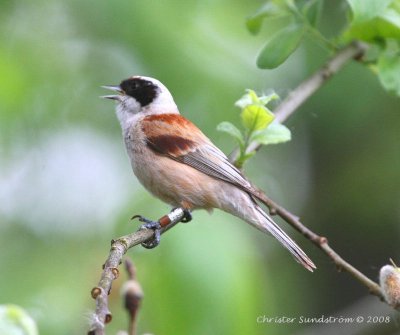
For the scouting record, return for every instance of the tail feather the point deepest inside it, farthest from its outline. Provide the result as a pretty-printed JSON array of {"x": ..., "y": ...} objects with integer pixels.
[
  {"x": 243, "y": 205},
  {"x": 266, "y": 224}
]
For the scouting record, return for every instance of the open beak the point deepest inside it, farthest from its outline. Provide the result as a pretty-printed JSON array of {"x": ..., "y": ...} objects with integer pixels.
[{"x": 112, "y": 88}]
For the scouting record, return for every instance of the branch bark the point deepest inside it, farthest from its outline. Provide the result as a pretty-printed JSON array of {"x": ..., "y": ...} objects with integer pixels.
[
  {"x": 119, "y": 247},
  {"x": 322, "y": 243},
  {"x": 307, "y": 88}
]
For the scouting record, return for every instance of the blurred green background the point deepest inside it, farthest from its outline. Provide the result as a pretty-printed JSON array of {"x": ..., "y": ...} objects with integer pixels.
[{"x": 66, "y": 187}]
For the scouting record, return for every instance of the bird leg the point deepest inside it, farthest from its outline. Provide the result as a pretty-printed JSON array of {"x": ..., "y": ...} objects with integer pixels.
[
  {"x": 186, "y": 207},
  {"x": 149, "y": 224},
  {"x": 162, "y": 224},
  {"x": 187, "y": 217}
]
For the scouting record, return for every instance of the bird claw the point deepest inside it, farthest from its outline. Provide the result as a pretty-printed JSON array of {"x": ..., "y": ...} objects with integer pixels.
[{"x": 156, "y": 226}]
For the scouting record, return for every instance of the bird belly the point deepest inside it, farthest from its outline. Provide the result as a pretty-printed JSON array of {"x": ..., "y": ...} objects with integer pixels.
[{"x": 173, "y": 182}]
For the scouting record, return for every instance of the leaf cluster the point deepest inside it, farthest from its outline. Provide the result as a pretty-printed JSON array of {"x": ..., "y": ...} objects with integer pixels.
[
  {"x": 375, "y": 22},
  {"x": 258, "y": 123}
]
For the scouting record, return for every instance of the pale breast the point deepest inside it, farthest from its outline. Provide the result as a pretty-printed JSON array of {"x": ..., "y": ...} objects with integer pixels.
[{"x": 171, "y": 181}]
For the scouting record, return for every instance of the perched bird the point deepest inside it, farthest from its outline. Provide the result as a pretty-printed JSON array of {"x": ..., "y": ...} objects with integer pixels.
[{"x": 178, "y": 164}]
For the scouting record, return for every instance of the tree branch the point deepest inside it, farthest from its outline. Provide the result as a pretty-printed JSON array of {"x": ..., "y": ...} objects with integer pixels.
[
  {"x": 110, "y": 272},
  {"x": 322, "y": 243},
  {"x": 300, "y": 94}
]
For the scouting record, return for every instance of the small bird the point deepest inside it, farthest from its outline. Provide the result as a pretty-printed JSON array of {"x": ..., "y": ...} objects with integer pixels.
[{"x": 178, "y": 164}]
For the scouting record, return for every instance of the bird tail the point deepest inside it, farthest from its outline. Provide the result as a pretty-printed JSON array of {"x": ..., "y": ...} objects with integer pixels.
[
  {"x": 253, "y": 214},
  {"x": 264, "y": 223}
]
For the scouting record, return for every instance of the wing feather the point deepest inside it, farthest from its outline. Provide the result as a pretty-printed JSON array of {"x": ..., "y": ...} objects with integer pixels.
[
  {"x": 214, "y": 164},
  {"x": 180, "y": 140}
]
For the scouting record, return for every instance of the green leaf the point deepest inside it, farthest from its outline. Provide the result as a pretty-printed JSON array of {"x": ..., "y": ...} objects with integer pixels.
[
  {"x": 246, "y": 99},
  {"x": 231, "y": 129},
  {"x": 280, "y": 46},
  {"x": 266, "y": 99},
  {"x": 312, "y": 11},
  {"x": 365, "y": 10},
  {"x": 254, "y": 114},
  {"x": 269, "y": 10},
  {"x": 377, "y": 29},
  {"x": 391, "y": 16},
  {"x": 254, "y": 22},
  {"x": 273, "y": 134},
  {"x": 389, "y": 72},
  {"x": 251, "y": 98},
  {"x": 256, "y": 117},
  {"x": 384, "y": 24}
]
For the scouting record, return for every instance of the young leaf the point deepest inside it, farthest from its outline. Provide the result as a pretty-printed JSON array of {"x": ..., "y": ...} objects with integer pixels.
[
  {"x": 365, "y": 10},
  {"x": 312, "y": 11},
  {"x": 370, "y": 27},
  {"x": 251, "y": 98},
  {"x": 270, "y": 9},
  {"x": 389, "y": 72},
  {"x": 265, "y": 99},
  {"x": 256, "y": 117},
  {"x": 392, "y": 16},
  {"x": 281, "y": 46},
  {"x": 273, "y": 134},
  {"x": 230, "y": 129},
  {"x": 244, "y": 101}
]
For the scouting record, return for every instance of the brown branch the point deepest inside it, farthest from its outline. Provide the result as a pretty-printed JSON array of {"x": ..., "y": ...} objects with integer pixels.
[
  {"x": 110, "y": 272},
  {"x": 301, "y": 93},
  {"x": 322, "y": 243}
]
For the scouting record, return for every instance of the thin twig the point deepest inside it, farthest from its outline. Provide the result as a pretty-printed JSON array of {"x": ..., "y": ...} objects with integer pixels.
[
  {"x": 300, "y": 94},
  {"x": 110, "y": 272},
  {"x": 322, "y": 243}
]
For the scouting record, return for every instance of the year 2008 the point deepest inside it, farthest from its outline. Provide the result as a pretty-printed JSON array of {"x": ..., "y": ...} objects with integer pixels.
[{"x": 378, "y": 319}]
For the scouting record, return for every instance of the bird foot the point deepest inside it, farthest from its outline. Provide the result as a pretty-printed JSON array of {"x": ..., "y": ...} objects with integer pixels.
[{"x": 149, "y": 224}]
